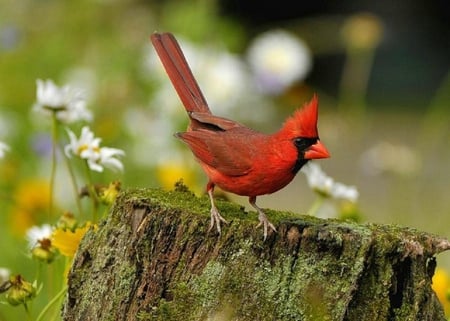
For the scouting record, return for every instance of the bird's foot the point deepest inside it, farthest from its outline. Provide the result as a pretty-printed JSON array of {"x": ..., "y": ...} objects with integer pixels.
[
  {"x": 216, "y": 219},
  {"x": 265, "y": 223}
]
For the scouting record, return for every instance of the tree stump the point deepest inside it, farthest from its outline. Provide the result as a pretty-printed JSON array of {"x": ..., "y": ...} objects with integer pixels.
[{"x": 153, "y": 258}]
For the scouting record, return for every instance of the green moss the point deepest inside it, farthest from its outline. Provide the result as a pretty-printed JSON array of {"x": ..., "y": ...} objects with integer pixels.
[{"x": 183, "y": 199}]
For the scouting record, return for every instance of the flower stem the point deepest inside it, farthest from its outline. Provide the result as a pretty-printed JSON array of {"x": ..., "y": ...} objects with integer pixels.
[
  {"x": 53, "y": 166},
  {"x": 92, "y": 193},
  {"x": 74, "y": 182},
  {"x": 27, "y": 311},
  {"x": 38, "y": 271},
  {"x": 316, "y": 205},
  {"x": 51, "y": 302}
]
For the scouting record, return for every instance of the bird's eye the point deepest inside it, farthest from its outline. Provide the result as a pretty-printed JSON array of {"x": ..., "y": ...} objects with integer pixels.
[{"x": 303, "y": 143}]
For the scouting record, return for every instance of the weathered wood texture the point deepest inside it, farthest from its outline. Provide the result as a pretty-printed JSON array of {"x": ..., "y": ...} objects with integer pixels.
[{"x": 152, "y": 259}]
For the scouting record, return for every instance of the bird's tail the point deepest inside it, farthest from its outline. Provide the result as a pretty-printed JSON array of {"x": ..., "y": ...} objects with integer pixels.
[{"x": 180, "y": 74}]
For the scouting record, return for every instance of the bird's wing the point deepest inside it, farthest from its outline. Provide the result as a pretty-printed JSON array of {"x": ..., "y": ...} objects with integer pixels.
[
  {"x": 213, "y": 122},
  {"x": 229, "y": 152},
  {"x": 179, "y": 72}
]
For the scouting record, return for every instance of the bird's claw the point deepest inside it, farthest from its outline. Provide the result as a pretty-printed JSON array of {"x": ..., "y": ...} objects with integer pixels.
[
  {"x": 216, "y": 219},
  {"x": 265, "y": 223}
]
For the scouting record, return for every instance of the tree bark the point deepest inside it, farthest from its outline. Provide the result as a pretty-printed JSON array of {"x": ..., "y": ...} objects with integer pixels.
[{"x": 152, "y": 258}]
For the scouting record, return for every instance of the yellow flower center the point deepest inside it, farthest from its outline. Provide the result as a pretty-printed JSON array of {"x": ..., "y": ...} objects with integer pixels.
[{"x": 84, "y": 147}]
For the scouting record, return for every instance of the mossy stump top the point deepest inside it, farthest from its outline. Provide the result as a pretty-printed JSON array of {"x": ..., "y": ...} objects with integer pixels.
[{"x": 152, "y": 258}]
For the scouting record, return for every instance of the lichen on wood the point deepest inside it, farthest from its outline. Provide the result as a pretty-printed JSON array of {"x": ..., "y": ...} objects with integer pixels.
[{"x": 153, "y": 258}]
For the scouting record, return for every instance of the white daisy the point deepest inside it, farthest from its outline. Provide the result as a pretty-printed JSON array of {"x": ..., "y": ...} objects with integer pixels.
[
  {"x": 317, "y": 179},
  {"x": 37, "y": 233},
  {"x": 106, "y": 157},
  {"x": 321, "y": 183},
  {"x": 68, "y": 103},
  {"x": 345, "y": 192},
  {"x": 88, "y": 147}
]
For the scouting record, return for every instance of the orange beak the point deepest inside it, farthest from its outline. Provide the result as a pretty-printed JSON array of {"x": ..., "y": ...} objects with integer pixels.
[{"x": 318, "y": 150}]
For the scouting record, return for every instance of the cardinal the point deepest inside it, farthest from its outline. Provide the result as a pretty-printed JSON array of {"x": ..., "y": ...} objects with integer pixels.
[{"x": 236, "y": 158}]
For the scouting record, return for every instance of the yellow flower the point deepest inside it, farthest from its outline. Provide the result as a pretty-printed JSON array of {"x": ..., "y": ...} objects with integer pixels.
[
  {"x": 170, "y": 173},
  {"x": 350, "y": 211},
  {"x": 32, "y": 194},
  {"x": 43, "y": 251},
  {"x": 20, "y": 291},
  {"x": 109, "y": 194},
  {"x": 67, "y": 221},
  {"x": 67, "y": 242},
  {"x": 441, "y": 285},
  {"x": 32, "y": 201}
]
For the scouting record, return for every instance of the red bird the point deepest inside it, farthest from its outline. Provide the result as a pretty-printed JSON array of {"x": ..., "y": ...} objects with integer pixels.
[{"x": 234, "y": 157}]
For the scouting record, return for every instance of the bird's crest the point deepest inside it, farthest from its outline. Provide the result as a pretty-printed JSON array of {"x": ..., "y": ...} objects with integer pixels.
[{"x": 303, "y": 123}]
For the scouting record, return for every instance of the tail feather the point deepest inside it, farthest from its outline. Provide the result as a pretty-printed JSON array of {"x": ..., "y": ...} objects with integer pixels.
[{"x": 179, "y": 72}]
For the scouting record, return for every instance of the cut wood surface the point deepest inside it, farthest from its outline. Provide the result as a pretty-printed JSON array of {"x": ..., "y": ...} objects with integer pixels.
[{"x": 152, "y": 258}]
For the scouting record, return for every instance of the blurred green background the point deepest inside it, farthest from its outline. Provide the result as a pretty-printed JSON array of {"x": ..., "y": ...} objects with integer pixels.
[{"x": 380, "y": 70}]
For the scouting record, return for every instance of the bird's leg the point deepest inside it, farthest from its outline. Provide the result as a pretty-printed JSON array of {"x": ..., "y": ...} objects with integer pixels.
[
  {"x": 216, "y": 218},
  {"x": 262, "y": 217}
]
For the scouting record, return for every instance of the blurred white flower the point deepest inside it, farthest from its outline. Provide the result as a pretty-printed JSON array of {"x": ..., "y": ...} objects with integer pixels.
[
  {"x": 387, "y": 157},
  {"x": 38, "y": 233},
  {"x": 51, "y": 96},
  {"x": 278, "y": 59},
  {"x": 225, "y": 80},
  {"x": 69, "y": 104},
  {"x": 345, "y": 192},
  {"x": 88, "y": 147},
  {"x": 3, "y": 148},
  {"x": 317, "y": 179},
  {"x": 321, "y": 183},
  {"x": 4, "y": 275},
  {"x": 107, "y": 157}
]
